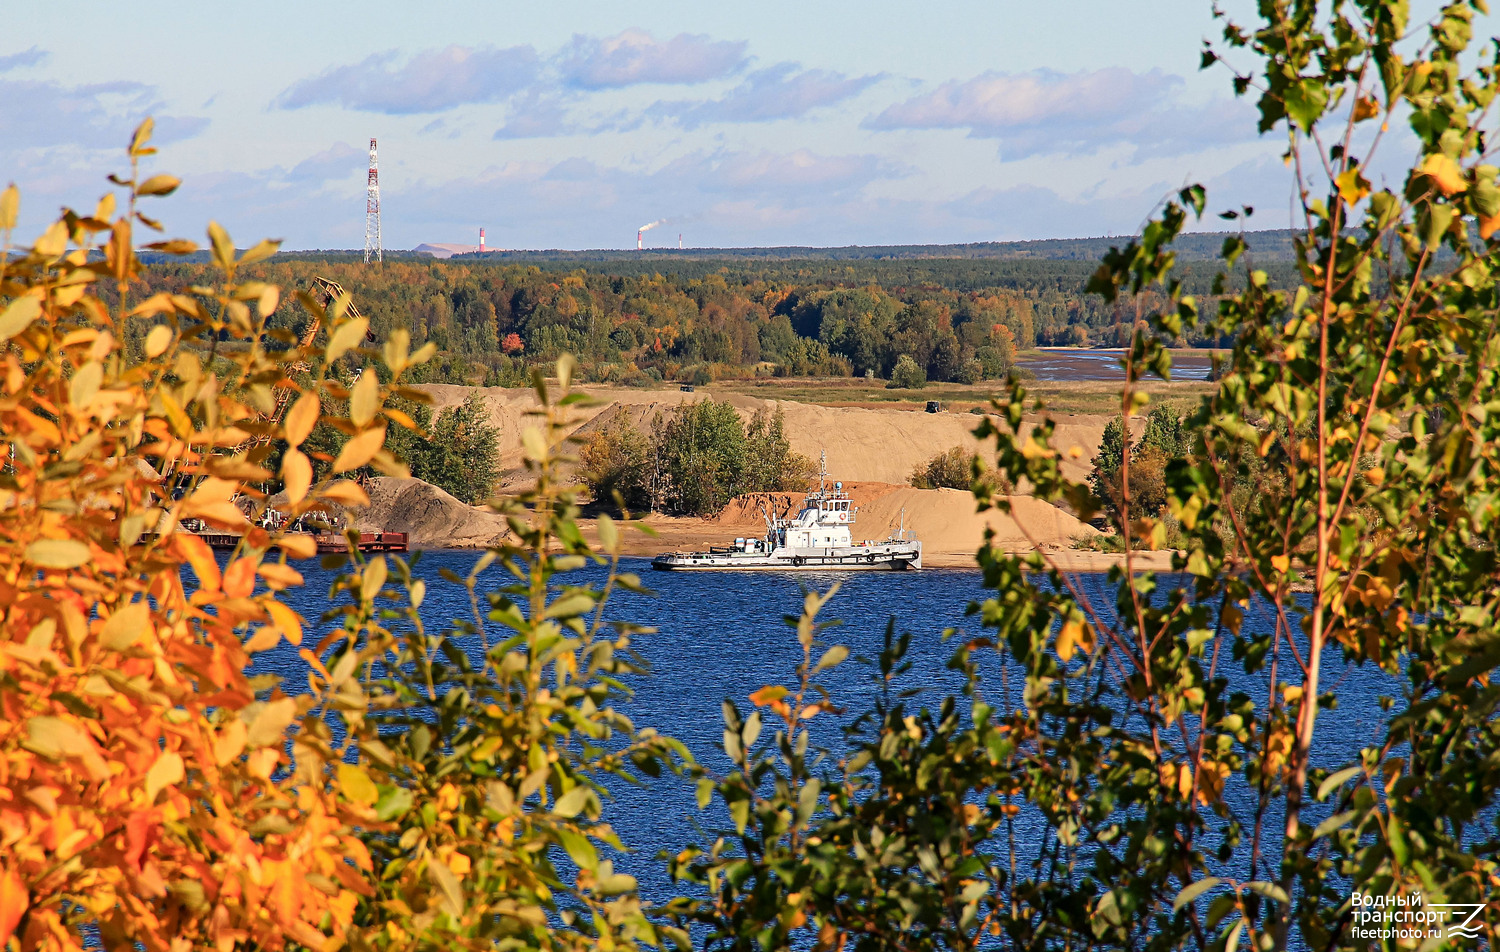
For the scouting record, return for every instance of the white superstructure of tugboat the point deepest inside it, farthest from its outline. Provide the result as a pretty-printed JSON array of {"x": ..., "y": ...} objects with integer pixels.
[{"x": 818, "y": 537}]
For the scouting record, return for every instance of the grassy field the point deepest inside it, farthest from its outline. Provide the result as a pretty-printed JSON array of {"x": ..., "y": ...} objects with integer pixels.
[{"x": 1073, "y": 396}]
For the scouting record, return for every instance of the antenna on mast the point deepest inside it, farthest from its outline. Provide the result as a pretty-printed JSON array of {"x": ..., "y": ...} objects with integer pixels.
[{"x": 372, "y": 211}]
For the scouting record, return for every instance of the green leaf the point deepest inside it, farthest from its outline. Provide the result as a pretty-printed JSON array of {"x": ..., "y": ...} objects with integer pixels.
[
  {"x": 393, "y": 803},
  {"x": 1270, "y": 891},
  {"x": 572, "y": 803},
  {"x": 1232, "y": 935},
  {"x": 450, "y": 891},
  {"x": 705, "y": 792},
  {"x": 579, "y": 849},
  {"x": 1193, "y": 891},
  {"x": 1337, "y": 780},
  {"x": 832, "y": 657},
  {"x": 1305, "y": 100},
  {"x": 1334, "y": 822}
]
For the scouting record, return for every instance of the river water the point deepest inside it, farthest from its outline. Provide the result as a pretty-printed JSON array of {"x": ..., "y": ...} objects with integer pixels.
[{"x": 722, "y": 635}]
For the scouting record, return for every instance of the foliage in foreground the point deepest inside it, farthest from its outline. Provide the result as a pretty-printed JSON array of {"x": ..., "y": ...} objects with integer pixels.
[{"x": 413, "y": 793}]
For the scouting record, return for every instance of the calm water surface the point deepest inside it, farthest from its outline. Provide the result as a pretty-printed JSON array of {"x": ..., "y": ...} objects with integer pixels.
[{"x": 722, "y": 635}]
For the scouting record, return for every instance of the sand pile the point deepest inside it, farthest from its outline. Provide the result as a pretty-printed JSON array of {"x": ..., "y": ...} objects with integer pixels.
[
  {"x": 874, "y": 452},
  {"x": 432, "y": 518},
  {"x": 878, "y": 445}
]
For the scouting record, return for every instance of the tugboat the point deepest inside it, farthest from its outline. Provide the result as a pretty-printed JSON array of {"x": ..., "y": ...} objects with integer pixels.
[{"x": 818, "y": 538}]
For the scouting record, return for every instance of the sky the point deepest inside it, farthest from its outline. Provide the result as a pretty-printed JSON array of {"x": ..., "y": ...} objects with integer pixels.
[{"x": 571, "y": 124}]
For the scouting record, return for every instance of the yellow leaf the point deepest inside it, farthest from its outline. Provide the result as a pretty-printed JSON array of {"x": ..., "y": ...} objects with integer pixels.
[
  {"x": 767, "y": 695},
  {"x": 1352, "y": 185},
  {"x": 270, "y": 723},
  {"x": 364, "y": 399},
  {"x": 223, "y": 247},
  {"x": 166, "y": 771},
  {"x": 54, "y": 738},
  {"x": 534, "y": 443},
  {"x": 360, "y": 450},
  {"x": 57, "y": 553},
  {"x": 10, "y": 210},
  {"x": 347, "y": 337},
  {"x": 1067, "y": 639},
  {"x": 126, "y": 626},
  {"x": 18, "y": 316},
  {"x": 230, "y": 742},
  {"x": 301, "y": 419},
  {"x": 85, "y": 384},
  {"x": 158, "y": 341},
  {"x": 1445, "y": 174},
  {"x": 296, "y": 475},
  {"x": 357, "y": 785},
  {"x": 1365, "y": 107},
  {"x": 287, "y": 621},
  {"x": 263, "y": 249},
  {"x": 158, "y": 185},
  {"x": 1281, "y": 563}
]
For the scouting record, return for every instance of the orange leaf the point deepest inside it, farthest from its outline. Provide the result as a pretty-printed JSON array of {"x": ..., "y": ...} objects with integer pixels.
[
  {"x": 280, "y": 576},
  {"x": 201, "y": 557},
  {"x": 1488, "y": 226},
  {"x": 14, "y": 900},
  {"x": 239, "y": 578},
  {"x": 298, "y": 545},
  {"x": 296, "y": 474},
  {"x": 301, "y": 419},
  {"x": 767, "y": 695}
]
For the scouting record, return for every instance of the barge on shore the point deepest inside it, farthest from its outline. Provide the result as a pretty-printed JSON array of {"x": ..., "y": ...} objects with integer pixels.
[{"x": 816, "y": 539}]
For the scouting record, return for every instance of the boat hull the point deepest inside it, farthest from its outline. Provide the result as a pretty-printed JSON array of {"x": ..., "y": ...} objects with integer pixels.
[{"x": 873, "y": 559}]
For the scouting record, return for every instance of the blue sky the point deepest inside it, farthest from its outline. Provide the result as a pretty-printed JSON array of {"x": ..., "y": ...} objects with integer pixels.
[{"x": 570, "y": 124}]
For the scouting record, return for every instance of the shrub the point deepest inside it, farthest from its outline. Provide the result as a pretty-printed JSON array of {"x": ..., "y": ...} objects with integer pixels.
[
  {"x": 908, "y": 374},
  {"x": 617, "y": 459},
  {"x": 954, "y": 469}
]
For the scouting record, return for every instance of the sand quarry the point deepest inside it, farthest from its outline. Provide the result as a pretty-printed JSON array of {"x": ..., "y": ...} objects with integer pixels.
[{"x": 873, "y": 451}]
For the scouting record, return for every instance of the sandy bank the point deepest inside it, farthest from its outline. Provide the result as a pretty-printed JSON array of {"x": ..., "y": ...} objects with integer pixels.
[{"x": 863, "y": 444}]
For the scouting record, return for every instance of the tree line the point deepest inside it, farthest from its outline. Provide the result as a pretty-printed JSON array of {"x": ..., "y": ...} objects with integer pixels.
[{"x": 491, "y": 322}]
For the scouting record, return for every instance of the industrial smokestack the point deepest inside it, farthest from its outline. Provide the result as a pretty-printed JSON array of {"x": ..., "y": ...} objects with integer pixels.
[
  {"x": 679, "y": 241},
  {"x": 481, "y": 241},
  {"x": 640, "y": 235}
]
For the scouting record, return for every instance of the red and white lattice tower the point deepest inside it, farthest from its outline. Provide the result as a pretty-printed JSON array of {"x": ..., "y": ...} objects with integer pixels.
[{"x": 372, "y": 211}]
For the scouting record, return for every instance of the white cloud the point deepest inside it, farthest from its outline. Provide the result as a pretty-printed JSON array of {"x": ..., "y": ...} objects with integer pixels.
[
  {"x": 430, "y": 81},
  {"x": 783, "y": 91},
  {"x": 30, "y": 57},
  {"x": 635, "y": 56},
  {"x": 1044, "y": 112},
  {"x": 340, "y": 160}
]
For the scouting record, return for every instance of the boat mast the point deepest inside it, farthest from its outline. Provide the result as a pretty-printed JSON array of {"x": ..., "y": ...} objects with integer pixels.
[{"x": 822, "y": 470}]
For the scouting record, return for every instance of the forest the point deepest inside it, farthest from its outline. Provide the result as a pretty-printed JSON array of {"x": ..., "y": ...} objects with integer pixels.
[{"x": 699, "y": 320}]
